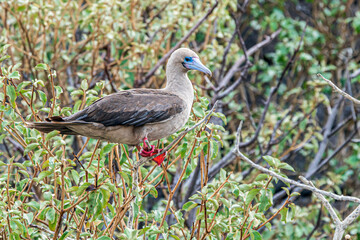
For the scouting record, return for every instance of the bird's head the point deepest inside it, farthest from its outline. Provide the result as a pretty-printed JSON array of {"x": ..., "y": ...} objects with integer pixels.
[{"x": 186, "y": 59}]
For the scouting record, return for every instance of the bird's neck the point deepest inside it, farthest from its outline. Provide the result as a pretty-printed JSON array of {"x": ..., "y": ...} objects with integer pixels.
[{"x": 179, "y": 84}]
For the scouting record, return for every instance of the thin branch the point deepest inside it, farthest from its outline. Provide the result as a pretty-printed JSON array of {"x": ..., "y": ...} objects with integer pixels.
[
  {"x": 283, "y": 179},
  {"x": 226, "y": 52},
  {"x": 143, "y": 160},
  {"x": 347, "y": 96},
  {"x": 242, "y": 59},
  {"x": 317, "y": 225},
  {"x": 167, "y": 55},
  {"x": 323, "y": 200}
]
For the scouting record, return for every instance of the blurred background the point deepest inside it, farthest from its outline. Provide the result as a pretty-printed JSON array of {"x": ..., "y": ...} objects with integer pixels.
[{"x": 264, "y": 55}]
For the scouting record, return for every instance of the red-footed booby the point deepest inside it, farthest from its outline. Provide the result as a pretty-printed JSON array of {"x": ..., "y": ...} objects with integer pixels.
[{"x": 137, "y": 115}]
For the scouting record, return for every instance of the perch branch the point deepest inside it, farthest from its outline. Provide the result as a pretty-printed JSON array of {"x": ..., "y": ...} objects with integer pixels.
[{"x": 145, "y": 159}]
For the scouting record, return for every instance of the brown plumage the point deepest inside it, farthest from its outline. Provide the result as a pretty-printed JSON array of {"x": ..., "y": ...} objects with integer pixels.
[{"x": 132, "y": 115}]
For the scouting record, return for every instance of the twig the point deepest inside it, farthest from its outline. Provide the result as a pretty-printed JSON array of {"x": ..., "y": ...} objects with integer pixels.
[
  {"x": 347, "y": 96},
  {"x": 167, "y": 55},
  {"x": 226, "y": 52},
  {"x": 224, "y": 81},
  {"x": 317, "y": 225},
  {"x": 340, "y": 226},
  {"x": 272, "y": 173},
  {"x": 272, "y": 92}
]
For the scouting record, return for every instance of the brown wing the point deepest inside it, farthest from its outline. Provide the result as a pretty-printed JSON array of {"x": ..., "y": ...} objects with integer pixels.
[{"x": 131, "y": 108}]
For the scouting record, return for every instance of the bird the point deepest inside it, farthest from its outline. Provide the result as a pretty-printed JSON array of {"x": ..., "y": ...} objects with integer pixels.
[{"x": 139, "y": 115}]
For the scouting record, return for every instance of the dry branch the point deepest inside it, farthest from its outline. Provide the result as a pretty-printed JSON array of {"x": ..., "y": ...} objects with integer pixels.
[
  {"x": 347, "y": 96},
  {"x": 340, "y": 226},
  {"x": 178, "y": 44}
]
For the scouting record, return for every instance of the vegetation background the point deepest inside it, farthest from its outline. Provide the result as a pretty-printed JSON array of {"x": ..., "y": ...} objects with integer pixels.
[{"x": 59, "y": 56}]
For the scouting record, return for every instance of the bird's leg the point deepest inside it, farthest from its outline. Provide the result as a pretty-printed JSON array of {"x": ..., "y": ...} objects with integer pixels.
[
  {"x": 150, "y": 150},
  {"x": 147, "y": 143},
  {"x": 147, "y": 149}
]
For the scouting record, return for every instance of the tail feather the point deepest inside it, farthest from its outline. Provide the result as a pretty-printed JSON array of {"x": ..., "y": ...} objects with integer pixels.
[{"x": 47, "y": 127}]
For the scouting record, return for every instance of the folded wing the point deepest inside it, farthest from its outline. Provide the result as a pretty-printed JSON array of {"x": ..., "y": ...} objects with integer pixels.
[{"x": 131, "y": 108}]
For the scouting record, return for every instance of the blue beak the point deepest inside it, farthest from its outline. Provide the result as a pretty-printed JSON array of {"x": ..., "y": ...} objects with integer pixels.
[{"x": 197, "y": 65}]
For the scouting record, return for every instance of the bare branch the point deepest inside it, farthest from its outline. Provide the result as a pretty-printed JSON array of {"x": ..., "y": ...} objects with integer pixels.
[
  {"x": 272, "y": 173},
  {"x": 167, "y": 55},
  {"x": 242, "y": 59},
  {"x": 347, "y": 96}
]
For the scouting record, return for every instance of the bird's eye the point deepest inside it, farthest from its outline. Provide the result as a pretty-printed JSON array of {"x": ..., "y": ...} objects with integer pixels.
[{"x": 188, "y": 59}]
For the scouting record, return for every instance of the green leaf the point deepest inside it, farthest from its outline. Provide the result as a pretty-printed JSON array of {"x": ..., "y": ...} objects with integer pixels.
[
  {"x": 14, "y": 236},
  {"x": 84, "y": 85},
  {"x": 104, "y": 238},
  {"x": 51, "y": 134},
  {"x": 222, "y": 175},
  {"x": 283, "y": 213},
  {"x": 261, "y": 177},
  {"x": 4, "y": 48},
  {"x": 19, "y": 165},
  {"x": 52, "y": 225},
  {"x": 10, "y": 91},
  {"x": 30, "y": 147},
  {"x": 42, "y": 96},
  {"x": 75, "y": 176},
  {"x": 25, "y": 173},
  {"x": 255, "y": 235},
  {"x": 65, "y": 234},
  {"x": 286, "y": 190},
  {"x": 47, "y": 196},
  {"x": 273, "y": 162},
  {"x": 189, "y": 205},
  {"x": 41, "y": 66},
  {"x": 264, "y": 201},
  {"x": 29, "y": 217},
  {"x": 286, "y": 166},
  {"x": 198, "y": 111},
  {"x": 106, "y": 149},
  {"x": 153, "y": 192},
  {"x": 4, "y": 58},
  {"x": 34, "y": 205},
  {"x": 82, "y": 188},
  {"x": 50, "y": 215},
  {"x": 14, "y": 75},
  {"x": 76, "y": 92},
  {"x": 294, "y": 194},
  {"x": 251, "y": 195},
  {"x": 44, "y": 174},
  {"x": 214, "y": 149},
  {"x": 175, "y": 237}
]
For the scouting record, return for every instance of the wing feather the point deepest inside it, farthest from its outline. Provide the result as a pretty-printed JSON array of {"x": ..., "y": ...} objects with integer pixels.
[{"x": 132, "y": 108}]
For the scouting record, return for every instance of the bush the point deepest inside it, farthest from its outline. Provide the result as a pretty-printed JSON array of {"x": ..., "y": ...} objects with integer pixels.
[{"x": 58, "y": 57}]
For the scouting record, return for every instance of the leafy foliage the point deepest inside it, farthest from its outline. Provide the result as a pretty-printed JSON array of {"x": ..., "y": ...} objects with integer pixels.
[{"x": 58, "y": 57}]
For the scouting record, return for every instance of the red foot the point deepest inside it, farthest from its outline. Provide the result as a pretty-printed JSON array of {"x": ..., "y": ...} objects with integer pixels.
[{"x": 147, "y": 151}]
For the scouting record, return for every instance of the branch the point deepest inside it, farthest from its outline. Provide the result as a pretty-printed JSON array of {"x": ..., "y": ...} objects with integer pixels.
[
  {"x": 323, "y": 200},
  {"x": 181, "y": 135},
  {"x": 250, "y": 52},
  {"x": 347, "y": 96},
  {"x": 167, "y": 55},
  {"x": 283, "y": 179},
  {"x": 340, "y": 225},
  {"x": 272, "y": 92}
]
